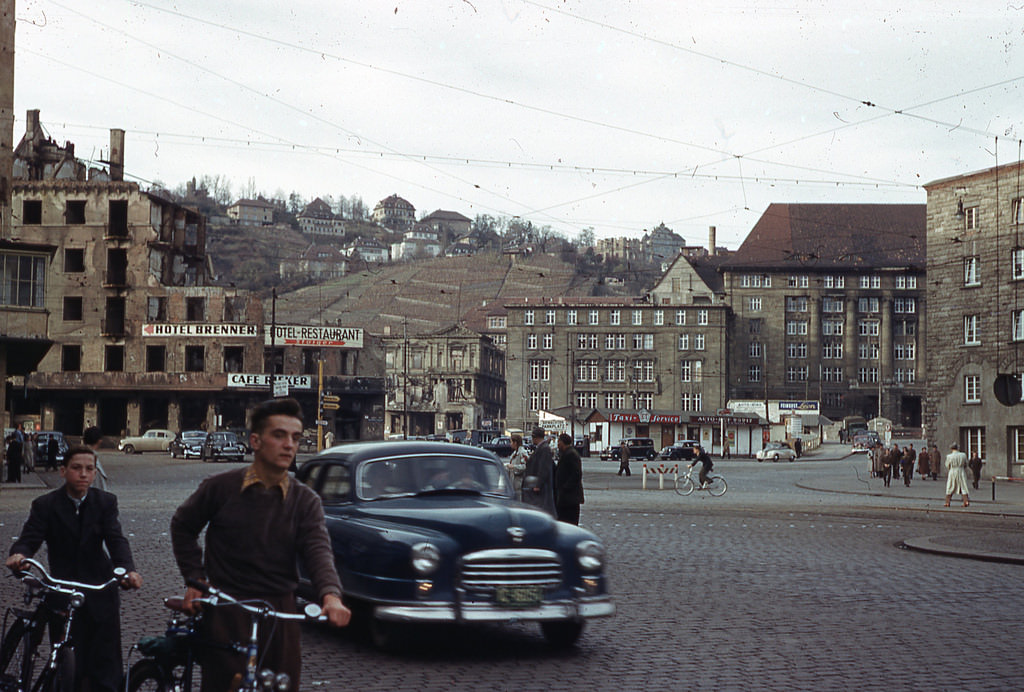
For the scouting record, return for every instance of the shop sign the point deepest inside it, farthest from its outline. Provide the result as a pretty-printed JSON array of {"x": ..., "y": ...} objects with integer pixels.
[
  {"x": 241, "y": 379},
  {"x": 327, "y": 337},
  {"x": 201, "y": 329}
]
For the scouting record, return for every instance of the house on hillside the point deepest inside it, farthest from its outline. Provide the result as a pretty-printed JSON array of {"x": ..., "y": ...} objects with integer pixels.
[
  {"x": 394, "y": 213},
  {"x": 447, "y": 224},
  {"x": 369, "y": 250},
  {"x": 420, "y": 242},
  {"x": 318, "y": 219},
  {"x": 251, "y": 212},
  {"x": 317, "y": 261},
  {"x": 661, "y": 245}
]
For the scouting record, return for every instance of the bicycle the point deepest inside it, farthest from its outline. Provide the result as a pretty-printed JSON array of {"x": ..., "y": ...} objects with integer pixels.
[
  {"x": 55, "y": 600},
  {"x": 169, "y": 661},
  {"x": 715, "y": 486}
]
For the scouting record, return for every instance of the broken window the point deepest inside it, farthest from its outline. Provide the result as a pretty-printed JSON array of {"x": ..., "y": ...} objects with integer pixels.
[
  {"x": 74, "y": 211},
  {"x": 310, "y": 358},
  {"x": 156, "y": 358},
  {"x": 157, "y": 309},
  {"x": 117, "y": 222},
  {"x": 71, "y": 357},
  {"x": 273, "y": 360},
  {"x": 117, "y": 267},
  {"x": 72, "y": 308},
  {"x": 195, "y": 359},
  {"x": 234, "y": 358},
  {"x": 234, "y": 309},
  {"x": 32, "y": 211},
  {"x": 114, "y": 357},
  {"x": 195, "y": 309},
  {"x": 113, "y": 317},
  {"x": 74, "y": 259}
]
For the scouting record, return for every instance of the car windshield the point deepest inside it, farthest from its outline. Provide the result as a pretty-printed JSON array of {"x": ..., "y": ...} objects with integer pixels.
[
  {"x": 193, "y": 434},
  {"x": 400, "y": 476}
]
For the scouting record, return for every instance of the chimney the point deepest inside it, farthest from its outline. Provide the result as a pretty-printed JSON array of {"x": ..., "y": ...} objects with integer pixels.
[
  {"x": 116, "y": 155},
  {"x": 32, "y": 123},
  {"x": 712, "y": 240}
]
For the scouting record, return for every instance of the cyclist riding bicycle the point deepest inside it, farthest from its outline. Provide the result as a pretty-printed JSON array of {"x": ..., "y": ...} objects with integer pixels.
[{"x": 706, "y": 463}]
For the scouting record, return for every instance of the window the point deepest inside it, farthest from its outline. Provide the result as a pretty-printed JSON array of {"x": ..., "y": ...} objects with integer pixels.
[
  {"x": 832, "y": 350},
  {"x": 614, "y": 318},
  {"x": 195, "y": 309},
  {"x": 74, "y": 260},
  {"x": 547, "y": 342},
  {"x": 835, "y": 282},
  {"x": 586, "y": 399},
  {"x": 971, "y": 277},
  {"x": 971, "y": 330},
  {"x": 972, "y": 389},
  {"x": 72, "y": 308},
  {"x": 796, "y": 304},
  {"x": 643, "y": 370},
  {"x": 1018, "y": 210},
  {"x": 1017, "y": 442},
  {"x": 113, "y": 358},
  {"x": 117, "y": 218},
  {"x": 754, "y": 325},
  {"x": 638, "y": 317},
  {"x": 698, "y": 342},
  {"x": 796, "y": 350},
  {"x": 754, "y": 373},
  {"x": 702, "y": 317},
  {"x": 586, "y": 371},
  {"x": 972, "y": 219},
  {"x": 586, "y": 342},
  {"x": 831, "y": 304},
  {"x": 755, "y": 349},
  {"x": 195, "y": 359},
  {"x": 1018, "y": 325},
  {"x": 833, "y": 400},
  {"x": 234, "y": 358},
  {"x": 614, "y": 342},
  {"x": 540, "y": 370},
  {"x": 867, "y": 351},
  {"x": 643, "y": 400},
  {"x": 615, "y": 371},
  {"x": 528, "y": 318},
  {"x": 867, "y": 305},
  {"x": 904, "y": 305},
  {"x": 74, "y": 211},
  {"x": 867, "y": 375},
  {"x": 539, "y": 401},
  {"x": 797, "y": 373},
  {"x": 684, "y": 342},
  {"x": 71, "y": 358},
  {"x": 32, "y": 212},
  {"x": 156, "y": 358},
  {"x": 659, "y": 317},
  {"x": 680, "y": 317},
  {"x": 686, "y": 371},
  {"x": 870, "y": 281},
  {"x": 832, "y": 374},
  {"x": 1017, "y": 262},
  {"x": 643, "y": 342},
  {"x": 614, "y": 400},
  {"x": 974, "y": 441},
  {"x": 549, "y": 317},
  {"x": 797, "y": 281},
  {"x": 906, "y": 282},
  {"x": 531, "y": 341},
  {"x": 905, "y": 328},
  {"x": 691, "y": 401},
  {"x": 905, "y": 351},
  {"x": 905, "y": 375},
  {"x": 571, "y": 317},
  {"x": 754, "y": 304},
  {"x": 22, "y": 280},
  {"x": 832, "y": 327},
  {"x": 867, "y": 328},
  {"x": 592, "y": 317},
  {"x": 796, "y": 327}
]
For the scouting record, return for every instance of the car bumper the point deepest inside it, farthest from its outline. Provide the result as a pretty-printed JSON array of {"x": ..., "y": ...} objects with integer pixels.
[{"x": 581, "y": 609}]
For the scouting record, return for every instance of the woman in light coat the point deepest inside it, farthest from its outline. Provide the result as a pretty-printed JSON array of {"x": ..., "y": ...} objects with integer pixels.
[
  {"x": 516, "y": 464},
  {"x": 956, "y": 467}
]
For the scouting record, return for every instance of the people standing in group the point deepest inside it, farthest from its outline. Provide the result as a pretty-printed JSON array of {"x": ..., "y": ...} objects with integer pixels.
[
  {"x": 539, "y": 476},
  {"x": 974, "y": 463},
  {"x": 516, "y": 464},
  {"x": 924, "y": 463},
  {"x": 92, "y": 438},
  {"x": 907, "y": 464},
  {"x": 624, "y": 459},
  {"x": 956, "y": 470},
  {"x": 84, "y": 543},
  {"x": 568, "y": 481},
  {"x": 259, "y": 523}
]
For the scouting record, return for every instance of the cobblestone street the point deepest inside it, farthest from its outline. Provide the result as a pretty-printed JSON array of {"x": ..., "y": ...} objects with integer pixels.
[{"x": 772, "y": 586}]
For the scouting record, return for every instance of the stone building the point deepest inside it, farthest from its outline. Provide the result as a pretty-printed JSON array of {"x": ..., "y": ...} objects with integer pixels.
[
  {"x": 976, "y": 313},
  {"x": 251, "y": 212},
  {"x": 828, "y": 304},
  {"x": 452, "y": 379},
  {"x": 318, "y": 219},
  {"x": 394, "y": 213},
  {"x": 628, "y": 366}
]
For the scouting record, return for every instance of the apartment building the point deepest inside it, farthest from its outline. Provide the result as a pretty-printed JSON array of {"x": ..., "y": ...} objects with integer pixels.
[
  {"x": 318, "y": 219},
  {"x": 251, "y": 212},
  {"x": 976, "y": 312},
  {"x": 828, "y": 304},
  {"x": 394, "y": 213}
]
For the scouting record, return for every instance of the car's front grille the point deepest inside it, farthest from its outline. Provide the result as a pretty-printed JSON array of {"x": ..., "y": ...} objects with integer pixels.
[{"x": 483, "y": 571}]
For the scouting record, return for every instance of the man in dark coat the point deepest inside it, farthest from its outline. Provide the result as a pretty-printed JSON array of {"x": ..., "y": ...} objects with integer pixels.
[
  {"x": 568, "y": 481},
  {"x": 624, "y": 459},
  {"x": 538, "y": 478},
  {"x": 14, "y": 449},
  {"x": 84, "y": 542}
]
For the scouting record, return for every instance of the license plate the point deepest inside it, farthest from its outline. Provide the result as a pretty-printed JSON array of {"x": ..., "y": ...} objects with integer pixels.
[{"x": 518, "y": 596}]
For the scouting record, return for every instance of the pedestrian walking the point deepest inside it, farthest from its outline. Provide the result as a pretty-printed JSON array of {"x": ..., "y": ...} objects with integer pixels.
[
  {"x": 568, "y": 481},
  {"x": 28, "y": 453},
  {"x": 924, "y": 463},
  {"x": 956, "y": 470},
  {"x": 897, "y": 455},
  {"x": 516, "y": 464},
  {"x": 974, "y": 463},
  {"x": 889, "y": 461},
  {"x": 624, "y": 459},
  {"x": 936, "y": 462},
  {"x": 798, "y": 446},
  {"x": 909, "y": 457},
  {"x": 52, "y": 449},
  {"x": 726, "y": 451},
  {"x": 14, "y": 447}
]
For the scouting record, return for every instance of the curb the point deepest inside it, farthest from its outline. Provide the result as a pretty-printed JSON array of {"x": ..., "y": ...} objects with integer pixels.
[{"x": 931, "y": 545}]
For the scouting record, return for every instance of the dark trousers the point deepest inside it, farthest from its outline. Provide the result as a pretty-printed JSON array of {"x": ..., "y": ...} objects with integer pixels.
[
  {"x": 624, "y": 466},
  {"x": 281, "y": 653},
  {"x": 887, "y": 474},
  {"x": 570, "y": 514},
  {"x": 908, "y": 472}
]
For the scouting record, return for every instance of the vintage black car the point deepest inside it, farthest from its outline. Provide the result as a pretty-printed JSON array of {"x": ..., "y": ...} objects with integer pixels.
[
  {"x": 222, "y": 445},
  {"x": 430, "y": 532},
  {"x": 188, "y": 443}
]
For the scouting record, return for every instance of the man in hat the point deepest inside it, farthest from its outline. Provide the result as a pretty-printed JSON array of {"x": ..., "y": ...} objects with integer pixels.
[{"x": 538, "y": 485}]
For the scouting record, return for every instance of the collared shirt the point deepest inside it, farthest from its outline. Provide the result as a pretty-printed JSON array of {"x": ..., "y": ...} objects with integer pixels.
[{"x": 252, "y": 477}]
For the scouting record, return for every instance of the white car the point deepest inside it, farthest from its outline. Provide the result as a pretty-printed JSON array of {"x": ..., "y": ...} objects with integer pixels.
[
  {"x": 151, "y": 441},
  {"x": 775, "y": 451}
]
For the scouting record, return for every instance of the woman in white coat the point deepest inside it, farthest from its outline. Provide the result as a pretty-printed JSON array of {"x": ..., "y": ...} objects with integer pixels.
[{"x": 956, "y": 482}]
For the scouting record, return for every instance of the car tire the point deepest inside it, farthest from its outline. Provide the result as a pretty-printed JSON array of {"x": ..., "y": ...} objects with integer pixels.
[
  {"x": 562, "y": 634},
  {"x": 129, "y": 449},
  {"x": 775, "y": 458}
]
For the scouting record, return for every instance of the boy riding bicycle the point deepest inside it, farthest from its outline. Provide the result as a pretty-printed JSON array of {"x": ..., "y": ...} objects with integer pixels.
[{"x": 706, "y": 464}]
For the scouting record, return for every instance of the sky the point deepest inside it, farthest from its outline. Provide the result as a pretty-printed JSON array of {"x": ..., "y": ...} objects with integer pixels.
[{"x": 613, "y": 115}]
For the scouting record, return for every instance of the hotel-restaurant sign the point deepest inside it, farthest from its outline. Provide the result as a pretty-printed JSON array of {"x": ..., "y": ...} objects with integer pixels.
[{"x": 300, "y": 335}]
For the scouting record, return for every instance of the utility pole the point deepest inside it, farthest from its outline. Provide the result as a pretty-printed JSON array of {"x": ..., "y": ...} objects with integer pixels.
[
  {"x": 405, "y": 379},
  {"x": 273, "y": 338}
]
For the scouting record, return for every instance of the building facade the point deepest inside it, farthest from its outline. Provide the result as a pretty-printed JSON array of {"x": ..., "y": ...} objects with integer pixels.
[
  {"x": 252, "y": 212},
  {"x": 394, "y": 213},
  {"x": 976, "y": 313},
  {"x": 453, "y": 379},
  {"x": 828, "y": 304},
  {"x": 318, "y": 219}
]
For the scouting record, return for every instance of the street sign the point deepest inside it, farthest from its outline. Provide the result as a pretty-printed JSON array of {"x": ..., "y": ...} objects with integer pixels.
[
  {"x": 280, "y": 387},
  {"x": 330, "y": 402}
]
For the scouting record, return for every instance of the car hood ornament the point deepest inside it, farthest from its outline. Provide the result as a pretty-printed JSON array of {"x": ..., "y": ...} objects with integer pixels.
[{"x": 517, "y": 533}]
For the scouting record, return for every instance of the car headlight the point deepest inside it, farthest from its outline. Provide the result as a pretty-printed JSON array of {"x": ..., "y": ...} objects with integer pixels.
[
  {"x": 425, "y": 558},
  {"x": 590, "y": 556}
]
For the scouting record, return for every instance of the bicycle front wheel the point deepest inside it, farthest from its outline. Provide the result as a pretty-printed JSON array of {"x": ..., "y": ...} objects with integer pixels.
[
  {"x": 61, "y": 678},
  {"x": 16, "y": 656},
  {"x": 147, "y": 676},
  {"x": 717, "y": 486},
  {"x": 684, "y": 485}
]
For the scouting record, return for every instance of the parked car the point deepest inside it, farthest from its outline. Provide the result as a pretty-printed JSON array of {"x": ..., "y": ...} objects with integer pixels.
[
  {"x": 639, "y": 448},
  {"x": 243, "y": 438},
  {"x": 155, "y": 440},
  {"x": 432, "y": 533},
  {"x": 610, "y": 454},
  {"x": 776, "y": 451},
  {"x": 682, "y": 450},
  {"x": 222, "y": 445},
  {"x": 864, "y": 440},
  {"x": 43, "y": 446},
  {"x": 501, "y": 446},
  {"x": 188, "y": 444}
]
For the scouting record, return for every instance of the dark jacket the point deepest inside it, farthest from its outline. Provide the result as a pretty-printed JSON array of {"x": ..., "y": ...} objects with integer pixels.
[
  {"x": 568, "y": 478},
  {"x": 539, "y": 474}
]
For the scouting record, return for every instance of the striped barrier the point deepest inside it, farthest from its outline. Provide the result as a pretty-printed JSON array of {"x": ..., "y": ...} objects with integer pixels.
[{"x": 661, "y": 470}]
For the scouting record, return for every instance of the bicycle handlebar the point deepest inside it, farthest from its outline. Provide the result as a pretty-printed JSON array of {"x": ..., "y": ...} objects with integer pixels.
[
  {"x": 53, "y": 583},
  {"x": 259, "y": 608}
]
